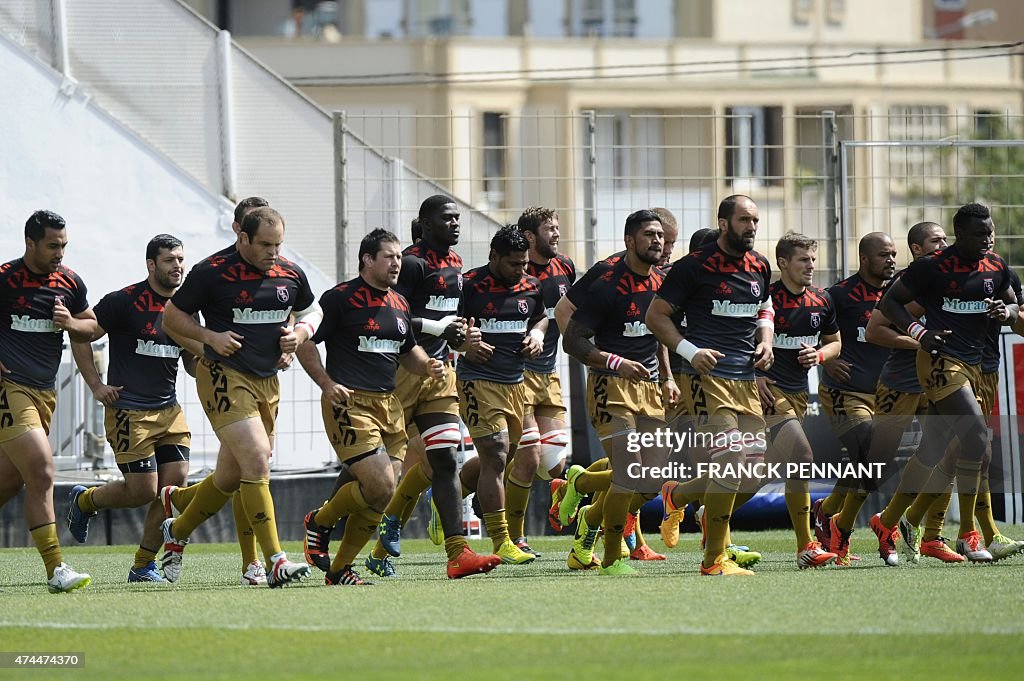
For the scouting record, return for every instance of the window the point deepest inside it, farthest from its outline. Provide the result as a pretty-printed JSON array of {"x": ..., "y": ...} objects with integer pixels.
[
  {"x": 835, "y": 12},
  {"x": 754, "y": 140},
  {"x": 917, "y": 168},
  {"x": 630, "y": 149},
  {"x": 615, "y": 18},
  {"x": 802, "y": 10},
  {"x": 494, "y": 159}
]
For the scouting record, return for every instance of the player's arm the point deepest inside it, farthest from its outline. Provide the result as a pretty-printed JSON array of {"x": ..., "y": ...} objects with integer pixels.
[
  {"x": 880, "y": 331},
  {"x": 418, "y": 362},
  {"x": 80, "y": 327},
  {"x": 576, "y": 342},
  {"x": 659, "y": 322},
  {"x": 181, "y": 325},
  {"x": 533, "y": 342},
  {"x": 309, "y": 358},
  {"x": 893, "y": 306},
  {"x": 86, "y": 361},
  {"x": 564, "y": 310},
  {"x": 189, "y": 362},
  {"x": 1004, "y": 308},
  {"x": 810, "y": 356},
  {"x": 764, "y": 351},
  {"x": 306, "y": 323}
]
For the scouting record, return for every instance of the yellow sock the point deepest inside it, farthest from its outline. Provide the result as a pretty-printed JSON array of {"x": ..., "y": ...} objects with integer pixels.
[
  {"x": 497, "y": 528},
  {"x": 935, "y": 516},
  {"x": 595, "y": 514},
  {"x": 616, "y": 508},
  {"x": 940, "y": 480},
  {"x": 85, "y": 501},
  {"x": 359, "y": 528},
  {"x": 591, "y": 482},
  {"x": 921, "y": 507},
  {"x": 914, "y": 479},
  {"x": 345, "y": 501},
  {"x": 143, "y": 557},
  {"x": 851, "y": 507},
  {"x": 45, "y": 538},
  {"x": 517, "y": 497},
  {"x": 206, "y": 501},
  {"x": 983, "y": 510},
  {"x": 833, "y": 502},
  {"x": 602, "y": 464},
  {"x": 454, "y": 546},
  {"x": 798, "y": 503},
  {"x": 246, "y": 537},
  {"x": 412, "y": 485},
  {"x": 685, "y": 493},
  {"x": 183, "y": 496},
  {"x": 968, "y": 479},
  {"x": 717, "y": 511},
  {"x": 259, "y": 507},
  {"x": 742, "y": 498}
]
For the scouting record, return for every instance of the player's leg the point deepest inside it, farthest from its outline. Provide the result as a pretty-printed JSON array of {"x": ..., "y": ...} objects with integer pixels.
[
  {"x": 519, "y": 479},
  {"x": 374, "y": 486},
  {"x": 168, "y": 473}
]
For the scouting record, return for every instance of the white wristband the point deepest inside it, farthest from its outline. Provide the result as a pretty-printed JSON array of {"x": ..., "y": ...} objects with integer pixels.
[
  {"x": 436, "y": 327},
  {"x": 687, "y": 350},
  {"x": 916, "y": 330},
  {"x": 538, "y": 334}
]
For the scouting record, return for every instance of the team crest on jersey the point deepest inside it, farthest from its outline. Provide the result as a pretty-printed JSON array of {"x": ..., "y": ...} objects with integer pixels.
[
  {"x": 815, "y": 319},
  {"x": 523, "y": 306},
  {"x": 989, "y": 286},
  {"x": 282, "y": 294},
  {"x": 401, "y": 327},
  {"x": 755, "y": 288},
  {"x": 562, "y": 290}
]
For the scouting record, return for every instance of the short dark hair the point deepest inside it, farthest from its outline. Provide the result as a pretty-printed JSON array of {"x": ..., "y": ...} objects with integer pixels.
[
  {"x": 371, "y": 243},
  {"x": 416, "y": 229},
  {"x": 635, "y": 220},
  {"x": 245, "y": 205},
  {"x": 161, "y": 241},
  {"x": 702, "y": 237},
  {"x": 258, "y": 217},
  {"x": 39, "y": 222},
  {"x": 968, "y": 213},
  {"x": 919, "y": 232},
  {"x": 508, "y": 239},
  {"x": 728, "y": 205},
  {"x": 866, "y": 241},
  {"x": 535, "y": 216},
  {"x": 791, "y": 241},
  {"x": 432, "y": 204}
]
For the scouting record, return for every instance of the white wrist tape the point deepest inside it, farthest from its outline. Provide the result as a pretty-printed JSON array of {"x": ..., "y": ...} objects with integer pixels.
[
  {"x": 687, "y": 350},
  {"x": 436, "y": 327},
  {"x": 538, "y": 334}
]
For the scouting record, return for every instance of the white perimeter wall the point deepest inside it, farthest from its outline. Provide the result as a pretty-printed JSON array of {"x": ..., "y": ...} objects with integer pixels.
[{"x": 65, "y": 154}]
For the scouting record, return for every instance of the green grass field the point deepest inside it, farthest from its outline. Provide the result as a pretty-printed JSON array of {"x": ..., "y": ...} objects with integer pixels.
[{"x": 539, "y": 621}]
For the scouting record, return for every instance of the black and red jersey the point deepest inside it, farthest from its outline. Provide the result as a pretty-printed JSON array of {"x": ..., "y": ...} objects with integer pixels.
[
  {"x": 555, "y": 279},
  {"x": 800, "y": 319},
  {"x": 431, "y": 280},
  {"x": 30, "y": 345},
  {"x": 578, "y": 291},
  {"x": 504, "y": 315},
  {"x": 899, "y": 372},
  {"x": 365, "y": 329},
  {"x": 721, "y": 296},
  {"x": 953, "y": 291},
  {"x": 614, "y": 307},
  {"x": 232, "y": 295},
  {"x": 143, "y": 358},
  {"x": 854, "y": 299},
  {"x": 990, "y": 355}
]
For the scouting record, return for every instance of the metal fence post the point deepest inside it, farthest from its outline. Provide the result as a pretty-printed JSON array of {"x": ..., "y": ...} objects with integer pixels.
[
  {"x": 829, "y": 149},
  {"x": 227, "y": 117},
  {"x": 845, "y": 212},
  {"x": 60, "y": 37},
  {"x": 340, "y": 194},
  {"x": 590, "y": 191}
]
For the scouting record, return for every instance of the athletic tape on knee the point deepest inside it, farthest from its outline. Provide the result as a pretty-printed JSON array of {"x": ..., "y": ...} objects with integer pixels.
[
  {"x": 726, "y": 438},
  {"x": 444, "y": 436},
  {"x": 552, "y": 451},
  {"x": 530, "y": 437}
]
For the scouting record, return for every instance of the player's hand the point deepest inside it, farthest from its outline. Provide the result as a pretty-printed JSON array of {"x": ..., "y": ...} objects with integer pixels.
[
  {"x": 997, "y": 309},
  {"x": 838, "y": 370},
  {"x": 479, "y": 352},
  {"x": 933, "y": 341},
  {"x": 764, "y": 356},
  {"x": 107, "y": 394},
  {"x": 336, "y": 393},
  {"x": 670, "y": 393},
  {"x": 435, "y": 369},
  {"x": 765, "y": 393},
  {"x": 633, "y": 371},
  {"x": 455, "y": 332},
  {"x": 705, "y": 359},
  {"x": 61, "y": 315},
  {"x": 284, "y": 362},
  {"x": 531, "y": 347},
  {"x": 226, "y": 343},
  {"x": 4, "y": 369},
  {"x": 808, "y": 356},
  {"x": 289, "y": 341}
]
